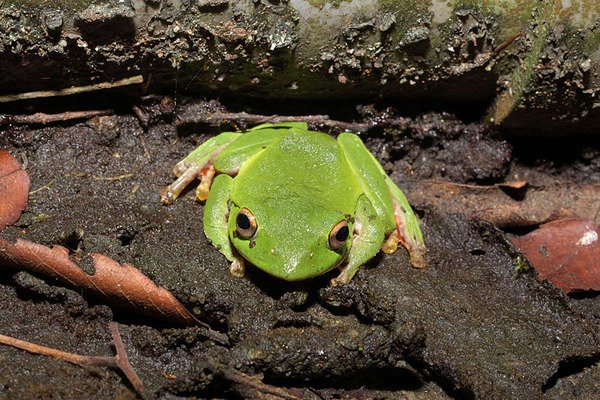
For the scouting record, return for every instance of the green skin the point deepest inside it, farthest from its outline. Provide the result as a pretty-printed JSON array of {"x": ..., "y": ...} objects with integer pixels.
[{"x": 298, "y": 184}]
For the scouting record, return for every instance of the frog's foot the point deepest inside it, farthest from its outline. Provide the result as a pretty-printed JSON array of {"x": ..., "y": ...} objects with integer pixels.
[
  {"x": 237, "y": 267},
  {"x": 205, "y": 172},
  {"x": 343, "y": 278},
  {"x": 408, "y": 234}
]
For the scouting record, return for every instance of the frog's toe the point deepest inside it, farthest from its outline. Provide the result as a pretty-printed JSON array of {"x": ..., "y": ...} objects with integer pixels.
[
  {"x": 342, "y": 279},
  {"x": 391, "y": 244},
  {"x": 237, "y": 267},
  {"x": 167, "y": 197},
  {"x": 417, "y": 257}
]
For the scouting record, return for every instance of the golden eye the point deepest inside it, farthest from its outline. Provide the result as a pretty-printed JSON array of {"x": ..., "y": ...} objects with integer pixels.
[
  {"x": 245, "y": 224},
  {"x": 338, "y": 235}
]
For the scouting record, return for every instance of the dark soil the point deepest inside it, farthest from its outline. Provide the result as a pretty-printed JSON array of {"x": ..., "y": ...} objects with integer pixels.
[{"x": 469, "y": 326}]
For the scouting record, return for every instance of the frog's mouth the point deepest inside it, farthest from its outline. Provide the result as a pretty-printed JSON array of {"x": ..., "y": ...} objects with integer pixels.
[{"x": 295, "y": 266}]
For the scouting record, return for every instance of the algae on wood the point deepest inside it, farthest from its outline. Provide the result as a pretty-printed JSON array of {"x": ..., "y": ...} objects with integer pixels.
[{"x": 408, "y": 51}]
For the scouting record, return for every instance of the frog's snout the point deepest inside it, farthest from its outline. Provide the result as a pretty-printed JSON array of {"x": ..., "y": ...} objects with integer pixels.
[{"x": 296, "y": 261}]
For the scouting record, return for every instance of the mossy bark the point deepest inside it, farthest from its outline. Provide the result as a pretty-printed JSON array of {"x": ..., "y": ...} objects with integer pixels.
[{"x": 530, "y": 60}]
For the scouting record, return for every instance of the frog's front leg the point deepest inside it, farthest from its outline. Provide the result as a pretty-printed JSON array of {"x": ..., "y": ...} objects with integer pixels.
[
  {"x": 216, "y": 215},
  {"x": 198, "y": 164},
  {"x": 366, "y": 242}
]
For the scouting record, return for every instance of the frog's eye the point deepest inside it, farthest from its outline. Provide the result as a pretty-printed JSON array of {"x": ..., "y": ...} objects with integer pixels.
[
  {"x": 245, "y": 224},
  {"x": 338, "y": 235}
]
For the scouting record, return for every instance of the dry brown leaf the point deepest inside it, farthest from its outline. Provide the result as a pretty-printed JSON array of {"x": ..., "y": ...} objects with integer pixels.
[
  {"x": 538, "y": 205},
  {"x": 14, "y": 189},
  {"x": 120, "y": 284},
  {"x": 565, "y": 252}
]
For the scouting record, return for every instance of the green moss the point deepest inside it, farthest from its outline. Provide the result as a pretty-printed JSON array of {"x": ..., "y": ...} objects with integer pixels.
[
  {"x": 65, "y": 5},
  {"x": 512, "y": 15},
  {"x": 521, "y": 264},
  {"x": 521, "y": 77}
]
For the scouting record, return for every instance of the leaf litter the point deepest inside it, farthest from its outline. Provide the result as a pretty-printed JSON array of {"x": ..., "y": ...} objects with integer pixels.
[
  {"x": 116, "y": 283},
  {"x": 565, "y": 252},
  {"x": 14, "y": 189}
]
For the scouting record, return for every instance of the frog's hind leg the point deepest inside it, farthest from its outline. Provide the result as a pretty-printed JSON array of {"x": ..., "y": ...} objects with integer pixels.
[
  {"x": 389, "y": 202},
  {"x": 407, "y": 232},
  {"x": 198, "y": 164},
  {"x": 216, "y": 214}
]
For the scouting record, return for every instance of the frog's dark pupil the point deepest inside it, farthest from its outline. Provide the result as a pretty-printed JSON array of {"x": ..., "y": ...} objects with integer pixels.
[
  {"x": 243, "y": 222},
  {"x": 342, "y": 234}
]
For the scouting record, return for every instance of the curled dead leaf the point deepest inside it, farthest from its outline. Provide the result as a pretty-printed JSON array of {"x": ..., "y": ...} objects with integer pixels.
[
  {"x": 509, "y": 204},
  {"x": 565, "y": 252},
  {"x": 14, "y": 189},
  {"x": 120, "y": 284}
]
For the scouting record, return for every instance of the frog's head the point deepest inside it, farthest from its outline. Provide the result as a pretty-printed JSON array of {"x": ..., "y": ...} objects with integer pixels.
[{"x": 291, "y": 242}]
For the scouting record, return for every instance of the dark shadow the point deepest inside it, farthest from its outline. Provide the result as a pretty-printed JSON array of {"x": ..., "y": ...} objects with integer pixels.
[
  {"x": 571, "y": 366},
  {"x": 106, "y": 31},
  {"x": 385, "y": 379}
]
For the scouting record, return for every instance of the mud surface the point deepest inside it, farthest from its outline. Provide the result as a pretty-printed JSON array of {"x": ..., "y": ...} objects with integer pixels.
[{"x": 469, "y": 326}]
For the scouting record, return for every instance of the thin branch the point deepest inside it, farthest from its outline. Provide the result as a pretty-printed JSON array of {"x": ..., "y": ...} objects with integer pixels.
[
  {"x": 72, "y": 90},
  {"x": 195, "y": 115},
  {"x": 77, "y": 359},
  {"x": 510, "y": 184},
  {"x": 507, "y": 42},
  {"x": 256, "y": 384},
  {"x": 112, "y": 178},
  {"x": 122, "y": 361},
  {"x": 119, "y": 361},
  {"x": 43, "y": 119}
]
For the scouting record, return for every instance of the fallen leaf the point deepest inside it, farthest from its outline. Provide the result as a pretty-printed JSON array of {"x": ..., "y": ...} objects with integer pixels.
[
  {"x": 120, "y": 284},
  {"x": 565, "y": 252},
  {"x": 530, "y": 206},
  {"x": 14, "y": 189}
]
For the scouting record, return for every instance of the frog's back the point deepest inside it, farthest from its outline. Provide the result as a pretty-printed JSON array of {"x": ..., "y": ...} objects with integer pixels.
[{"x": 308, "y": 167}]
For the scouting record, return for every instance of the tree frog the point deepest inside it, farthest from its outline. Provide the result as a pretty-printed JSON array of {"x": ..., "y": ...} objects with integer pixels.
[{"x": 297, "y": 203}]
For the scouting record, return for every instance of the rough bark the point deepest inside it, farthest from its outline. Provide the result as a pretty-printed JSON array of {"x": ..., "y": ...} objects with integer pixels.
[{"x": 532, "y": 61}]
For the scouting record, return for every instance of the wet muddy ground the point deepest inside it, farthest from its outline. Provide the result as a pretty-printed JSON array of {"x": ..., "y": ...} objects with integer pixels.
[{"x": 472, "y": 325}]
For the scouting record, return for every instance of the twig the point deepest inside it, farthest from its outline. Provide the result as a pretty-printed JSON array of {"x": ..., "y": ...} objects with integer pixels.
[
  {"x": 122, "y": 362},
  {"x": 483, "y": 59},
  {"x": 58, "y": 354},
  {"x": 507, "y": 42},
  {"x": 45, "y": 187},
  {"x": 249, "y": 381},
  {"x": 511, "y": 184},
  {"x": 112, "y": 178},
  {"x": 43, "y": 119},
  {"x": 145, "y": 147},
  {"x": 72, "y": 90},
  {"x": 195, "y": 115},
  {"x": 119, "y": 361}
]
